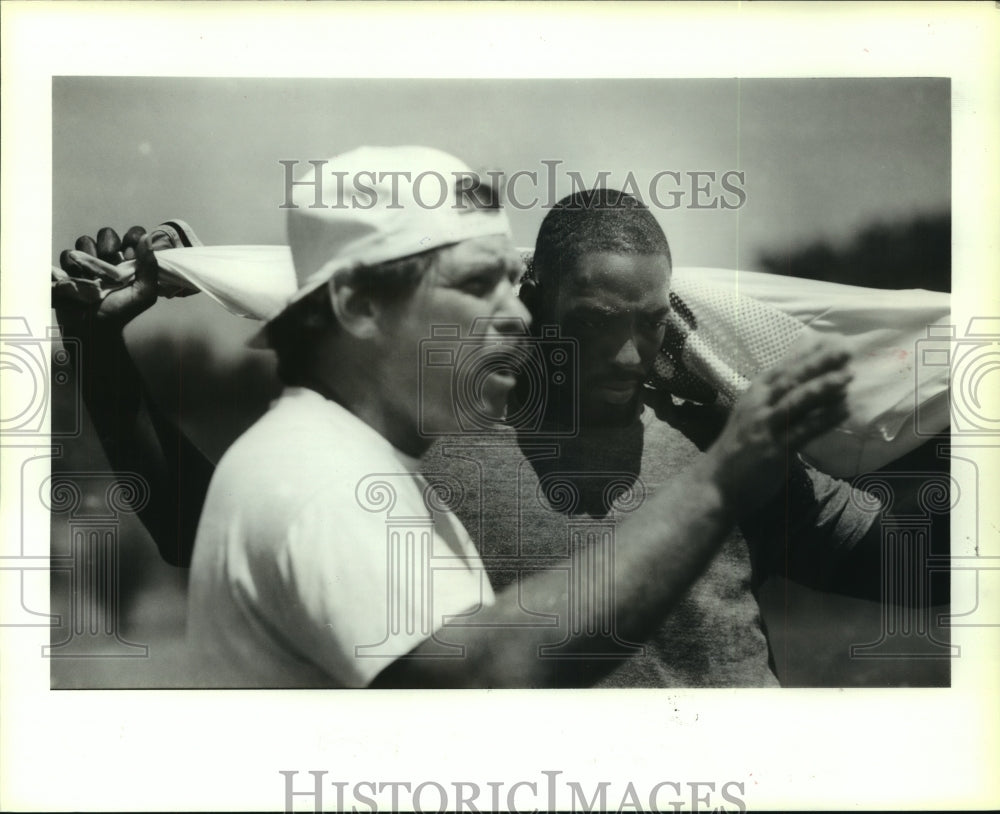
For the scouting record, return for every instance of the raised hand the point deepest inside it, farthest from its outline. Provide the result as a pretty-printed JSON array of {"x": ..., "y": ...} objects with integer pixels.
[
  {"x": 784, "y": 409},
  {"x": 89, "y": 286},
  {"x": 94, "y": 300}
]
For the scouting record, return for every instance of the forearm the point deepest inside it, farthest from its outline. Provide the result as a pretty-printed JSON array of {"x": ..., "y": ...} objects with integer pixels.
[
  {"x": 108, "y": 384},
  {"x": 137, "y": 438},
  {"x": 657, "y": 553}
]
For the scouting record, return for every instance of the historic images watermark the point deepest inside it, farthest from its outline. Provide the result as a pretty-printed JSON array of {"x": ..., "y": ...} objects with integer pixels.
[
  {"x": 40, "y": 364},
  {"x": 523, "y": 189},
  {"x": 548, "y": 792},
  {"x": 490, "y": 431},
  {"x": 413, "y": 563},
  {"x": 39, "y": 415},
  {"x": 909, "y": 501},
  {"x": 468, "y": 365},
  {"x": 909, "y": 560},
  {"x": 972, "y": 357}
]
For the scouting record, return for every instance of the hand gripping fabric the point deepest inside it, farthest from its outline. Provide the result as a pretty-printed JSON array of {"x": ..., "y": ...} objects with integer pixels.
[{"x": 725, "y": 327}]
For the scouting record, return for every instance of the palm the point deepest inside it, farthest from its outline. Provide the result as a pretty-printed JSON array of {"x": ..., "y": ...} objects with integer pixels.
[
  {"x": 79, "y": 288},
  {"x": 123, "y": 304}
]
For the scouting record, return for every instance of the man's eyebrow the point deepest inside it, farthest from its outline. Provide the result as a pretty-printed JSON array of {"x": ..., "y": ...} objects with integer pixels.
[
  {"x": 662, "y": 310},
  {"x": 489, "y": 268},
  {"x": 499, "y": 266},
  {"x": 594, "y": 309}
]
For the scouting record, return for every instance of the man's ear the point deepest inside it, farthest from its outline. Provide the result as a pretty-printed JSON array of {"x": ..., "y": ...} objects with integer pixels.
[
  {"x": 355, "y": 311},
  {"x": 531, "y": 295}
]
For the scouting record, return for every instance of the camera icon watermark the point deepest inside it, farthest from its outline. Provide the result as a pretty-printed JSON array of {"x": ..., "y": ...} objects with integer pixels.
[
  {"x": 92, "y": 504},
  {"x": 38, "y": 373},
  {"x": 971, "y": 363},
  {"x": 907, "y": 561},
  {"x": 466, "y": 382},
  {"x": 415, "y": 513},
  {"x": 419, "y": 564}
]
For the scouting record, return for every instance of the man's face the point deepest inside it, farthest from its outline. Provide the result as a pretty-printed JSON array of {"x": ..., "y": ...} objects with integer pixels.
[
  {"x": 472, "y": 280},
  {"x": 615, "y": 306}
]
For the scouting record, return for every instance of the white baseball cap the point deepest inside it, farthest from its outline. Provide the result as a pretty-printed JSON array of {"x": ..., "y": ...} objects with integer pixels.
[{"x": 375, "y": 204}]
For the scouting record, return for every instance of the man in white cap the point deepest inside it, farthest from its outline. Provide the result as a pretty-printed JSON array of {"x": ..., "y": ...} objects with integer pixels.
[{"x": 324, "y": 559}]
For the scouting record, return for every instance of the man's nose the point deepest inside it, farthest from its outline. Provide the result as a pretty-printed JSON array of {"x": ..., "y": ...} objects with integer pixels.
[
  {"x": 628, "y": 355},
  {"x": 512, "y": 316}
]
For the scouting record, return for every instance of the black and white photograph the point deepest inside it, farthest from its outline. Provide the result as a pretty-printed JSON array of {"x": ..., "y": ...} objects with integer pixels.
[
  {"x": 363, "y": 405},
  {"x": 828, "y": 199}
]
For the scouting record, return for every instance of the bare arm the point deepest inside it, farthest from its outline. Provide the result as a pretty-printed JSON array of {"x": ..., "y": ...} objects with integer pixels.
[
  {"x": 135, "y": 435},
  {"x": 659, "y": 551}
]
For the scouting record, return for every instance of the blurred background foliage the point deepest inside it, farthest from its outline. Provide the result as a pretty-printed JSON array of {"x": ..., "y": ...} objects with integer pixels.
[{"x": 912, "y": 253}]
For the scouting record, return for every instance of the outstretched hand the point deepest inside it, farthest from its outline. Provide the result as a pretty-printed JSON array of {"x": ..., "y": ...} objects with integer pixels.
[{"x": 784, "y": 409}]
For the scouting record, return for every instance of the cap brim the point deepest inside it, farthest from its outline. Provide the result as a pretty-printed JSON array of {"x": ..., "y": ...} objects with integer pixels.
[{"x": 259, "y": 339}]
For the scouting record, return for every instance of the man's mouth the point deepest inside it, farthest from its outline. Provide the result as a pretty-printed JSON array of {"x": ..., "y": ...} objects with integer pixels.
[
  {"x": 617, "y": 391},
  {"x": 496, "y": 385}
]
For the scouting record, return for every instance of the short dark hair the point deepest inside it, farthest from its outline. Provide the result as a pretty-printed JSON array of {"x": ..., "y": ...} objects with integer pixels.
[
  {"x": 597, "y": 220},
  {"x": 295, "y": 333}
]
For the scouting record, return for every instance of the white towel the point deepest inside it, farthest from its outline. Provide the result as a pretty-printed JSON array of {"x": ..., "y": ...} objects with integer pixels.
[{"x": 726, "y": 326}]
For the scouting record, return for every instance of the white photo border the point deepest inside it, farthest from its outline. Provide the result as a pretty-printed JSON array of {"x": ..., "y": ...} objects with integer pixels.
[{"x": 185, "y": 750}]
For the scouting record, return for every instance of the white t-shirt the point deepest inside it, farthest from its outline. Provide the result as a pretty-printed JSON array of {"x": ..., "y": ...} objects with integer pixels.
[{"x": 322, "y": 555}]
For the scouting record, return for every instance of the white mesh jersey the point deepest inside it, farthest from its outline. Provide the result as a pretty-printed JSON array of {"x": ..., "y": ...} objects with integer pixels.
[{"x": 726, "y": 326}]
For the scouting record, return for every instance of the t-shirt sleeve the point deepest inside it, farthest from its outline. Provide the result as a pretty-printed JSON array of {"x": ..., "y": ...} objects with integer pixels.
[
  {"x": 808, "y": 530},
  {"x": 353, "y": 592}
]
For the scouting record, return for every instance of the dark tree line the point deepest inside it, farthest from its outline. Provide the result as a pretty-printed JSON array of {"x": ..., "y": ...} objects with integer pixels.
[{"x": 905, "y": 254}]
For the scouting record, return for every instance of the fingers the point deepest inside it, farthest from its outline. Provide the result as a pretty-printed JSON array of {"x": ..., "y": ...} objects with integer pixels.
[
  {"x": 85, "y": 243},
  {"x": 814, "y": 363},
  {"x": 825, "y": 391},
  {"x": 812, "y": 408},
  {"x": 68, "y": 264},
  {"x": 93, "y": 260},
  {"x": 68, "y": 290},
  {"x": 147, "y": 271},
  {"x": 130, "y": 240},
  {"x": 76, "y": 262},
  {"x": 91, "y": 274},
  {"x": 816, "y": 423},
  {"x": 81, "y": 265},
  {"x": 125, "y": 303},
  {"x": 109, "y": 246}
]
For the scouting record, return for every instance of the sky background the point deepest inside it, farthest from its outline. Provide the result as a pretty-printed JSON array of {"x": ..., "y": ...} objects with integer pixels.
[{"x": 822, "y": 157}]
